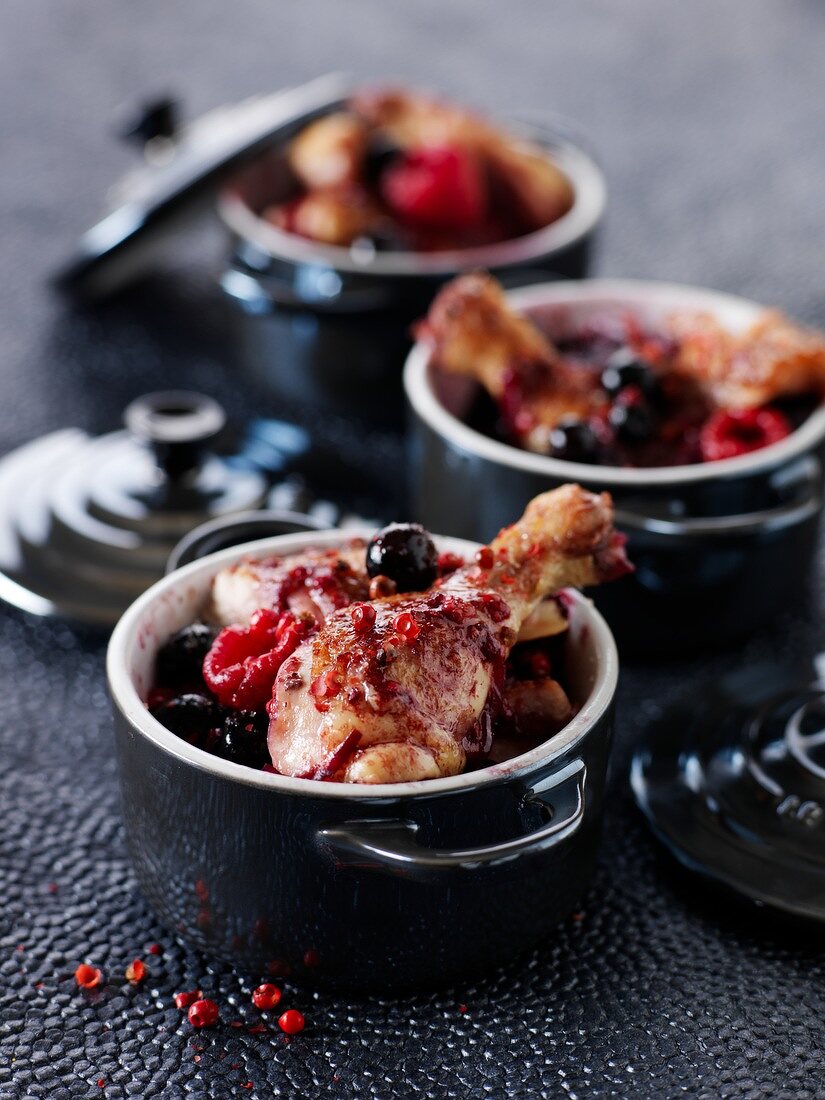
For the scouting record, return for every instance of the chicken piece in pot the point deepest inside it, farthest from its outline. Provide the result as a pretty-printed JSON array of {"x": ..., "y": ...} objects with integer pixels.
[
  {"x": 401, "y": 688},
  {"x": 473, "y": 331},
  {"x": 329, "y": 152},
  {"x": 317, "y": 581}
]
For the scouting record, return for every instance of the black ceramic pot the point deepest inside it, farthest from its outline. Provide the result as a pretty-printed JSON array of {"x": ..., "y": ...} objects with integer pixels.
[
  {"x": 413, "y": 884},
  {"x": 719, "y": 548},
  {"x": 329, "y": 326}
]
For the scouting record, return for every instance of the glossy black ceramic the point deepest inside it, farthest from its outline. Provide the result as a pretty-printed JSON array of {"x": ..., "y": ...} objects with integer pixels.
[
  {"x": 329, "y": 327},
  {"x": 719, "y": 548},
  {"x": 735, "y": 789},
  {"x": 415, "y": 884}
]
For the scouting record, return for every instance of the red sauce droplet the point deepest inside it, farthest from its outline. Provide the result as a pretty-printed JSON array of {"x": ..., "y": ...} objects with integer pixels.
[
  {"x": 485, "y": 558},
  {"x": 363, "y": 617},
  {"x": 326, "y": 685},
  {"x": 495, "y": 607},
  {"x": 449, "y": 562},
  {"x": 406, "y": 626}
]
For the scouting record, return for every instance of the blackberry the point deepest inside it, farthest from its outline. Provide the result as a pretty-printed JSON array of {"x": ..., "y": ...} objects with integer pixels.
[
  {"x": 180, "y": 659},
  {"x": 243, "y": 738}
]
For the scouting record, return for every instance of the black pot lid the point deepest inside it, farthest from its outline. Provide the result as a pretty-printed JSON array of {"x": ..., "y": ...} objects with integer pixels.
[
  {"x": 184, "y": 167},
  {"x": 732, "y": 781},
  {"x": 87, "y": 524}
]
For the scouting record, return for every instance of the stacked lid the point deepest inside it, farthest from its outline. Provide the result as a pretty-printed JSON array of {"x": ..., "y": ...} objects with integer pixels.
[
  {"x": 735, "y": 787},
  {"x": 87, "y": 524}
]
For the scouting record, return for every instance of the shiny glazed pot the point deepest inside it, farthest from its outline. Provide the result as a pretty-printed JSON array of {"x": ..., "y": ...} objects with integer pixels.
[
  {"x": 329, "y": 327},
  {"x": 719, "y": 548},
  {"x": 412, "y": 884}
]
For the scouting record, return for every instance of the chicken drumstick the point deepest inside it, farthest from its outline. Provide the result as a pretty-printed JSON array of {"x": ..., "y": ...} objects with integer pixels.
[{"x": 401, "y": 688}]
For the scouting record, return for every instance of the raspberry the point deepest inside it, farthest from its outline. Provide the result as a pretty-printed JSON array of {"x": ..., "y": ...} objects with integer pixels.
[
  {"x": 241, "y": 666},
  {"x": 440, "y": 187},
  {"x": 732, "y": 432}
]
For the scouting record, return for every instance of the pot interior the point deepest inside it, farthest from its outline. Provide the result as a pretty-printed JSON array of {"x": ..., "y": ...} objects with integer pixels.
[
  {"x": 267, "y": 180},
  {"x": 179, "y": 598},
  {"x": 562, "y": 310}
]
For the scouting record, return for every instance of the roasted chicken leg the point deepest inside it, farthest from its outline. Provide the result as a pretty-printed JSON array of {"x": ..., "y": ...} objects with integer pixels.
[{"x": 403, "y": 688}]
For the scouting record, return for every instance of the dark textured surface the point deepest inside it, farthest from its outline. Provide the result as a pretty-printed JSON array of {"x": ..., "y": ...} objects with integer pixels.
[{"x": 708, "y": 118}]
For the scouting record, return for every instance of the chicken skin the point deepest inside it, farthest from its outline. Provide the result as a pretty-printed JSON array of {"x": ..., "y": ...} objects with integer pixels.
[
  {"x": 773, "y": 358},
  {"x": 319, "y": 582},
  {"x": 406, "y": 687},
  {"x": 473, "y": 331}
]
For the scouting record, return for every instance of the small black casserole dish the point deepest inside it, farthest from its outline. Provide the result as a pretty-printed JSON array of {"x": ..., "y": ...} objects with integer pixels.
[
  {"x": 356, "y": 886},
  {"x": 328, "y": 325},
  {"x": 325, "y": 327},
  {"x": 719, "y": 547}
]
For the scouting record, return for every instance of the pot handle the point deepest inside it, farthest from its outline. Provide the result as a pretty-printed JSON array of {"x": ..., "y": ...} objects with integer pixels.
[
  {"x": 393, "y": 845},
  {"x": 806, "y": 502}
]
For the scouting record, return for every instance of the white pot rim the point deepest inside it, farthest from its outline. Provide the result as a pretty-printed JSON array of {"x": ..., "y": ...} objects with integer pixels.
[
  {"x": 126, "y": 698},
  {"x": 730, "y": 308}
]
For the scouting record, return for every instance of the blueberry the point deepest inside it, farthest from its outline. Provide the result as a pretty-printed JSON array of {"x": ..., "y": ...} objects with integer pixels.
[
  {"x": 191, "y": 716},
  {"x": 180, "y": 660},
  {"x": 381, "y": 153},
  {"x": 574, "y": 441},
  {"x": 243, "y": 738},
  {"x": 405, "y": 553},
  {"x": 633, "y": 423},
  {"x": 624, "y": 368}
]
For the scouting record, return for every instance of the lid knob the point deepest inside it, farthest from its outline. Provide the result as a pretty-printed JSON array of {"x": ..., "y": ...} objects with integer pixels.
[
  {"x": 178, "y": 425},
  {"x": 155, "y": 118}
]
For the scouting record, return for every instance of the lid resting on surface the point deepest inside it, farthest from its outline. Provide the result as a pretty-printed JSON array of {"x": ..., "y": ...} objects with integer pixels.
[
  {"x": 735, "y": 787},
  {"x": 87, "y": 524},
  {"x": 183, "y": 167}
]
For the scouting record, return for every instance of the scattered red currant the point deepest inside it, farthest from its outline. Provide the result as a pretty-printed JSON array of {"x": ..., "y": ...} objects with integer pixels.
[
  {"x": 87, "y": 977},
  {"x": 266, "y": 996},
  {"x": 184, "y": 1000},
  {"x": 291, "y": 1021},
  {"x": 203, "y": 1013},
  {"x": 136, "y": 971}
]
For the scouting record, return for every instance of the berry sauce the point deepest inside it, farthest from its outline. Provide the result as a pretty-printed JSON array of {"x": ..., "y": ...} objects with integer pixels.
[
  {"x": 643, "y": 414},
  {"x": 212, "y": 687}
]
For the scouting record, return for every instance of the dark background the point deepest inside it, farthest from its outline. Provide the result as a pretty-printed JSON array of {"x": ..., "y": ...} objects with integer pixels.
[{"x": 708, "y": 118}]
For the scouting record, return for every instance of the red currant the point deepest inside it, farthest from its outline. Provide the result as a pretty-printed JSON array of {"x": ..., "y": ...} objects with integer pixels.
[
  {"x": 266, "y": 996},
  {"x": 203, "y": 1013},
  {"x": 291, "y": 1021}
]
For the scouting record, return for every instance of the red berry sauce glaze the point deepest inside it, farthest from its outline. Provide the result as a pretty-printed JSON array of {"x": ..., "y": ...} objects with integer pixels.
[
  {"x": 398, "y": 171},
  {"x": 225, "y": 705},
  {"x": 618, "y": 397}
]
